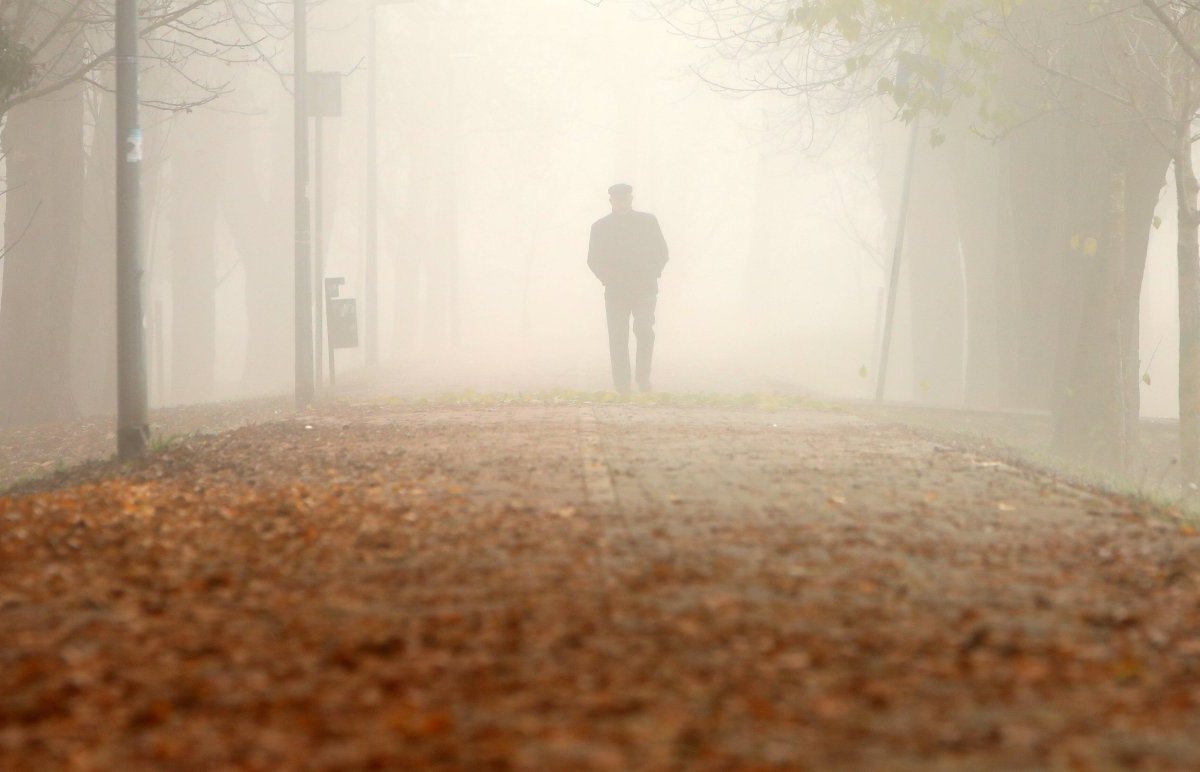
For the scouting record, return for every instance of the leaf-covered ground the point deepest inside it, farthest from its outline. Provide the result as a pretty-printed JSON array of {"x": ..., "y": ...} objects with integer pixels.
[
  {"x": 30, "y": 453},
  {"x": 570, "y": 586}
]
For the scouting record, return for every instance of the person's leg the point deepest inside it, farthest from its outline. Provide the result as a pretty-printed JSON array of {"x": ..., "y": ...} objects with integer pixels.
[
  {"x": 643, "y": 328},
  {"x": 616, "y": 305}
]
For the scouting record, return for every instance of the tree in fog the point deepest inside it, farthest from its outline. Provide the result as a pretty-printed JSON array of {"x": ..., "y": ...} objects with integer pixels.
[
  {"x": 55, "y": 71},
  {"x": 1174, "y": 127},
  {"x": 1092, "y": 68},
  {"x": 1071, "y": 92},
  {"x": 836, "y": 59}
]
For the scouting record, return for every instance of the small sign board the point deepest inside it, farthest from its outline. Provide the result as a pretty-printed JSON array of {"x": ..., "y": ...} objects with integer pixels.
[{"x": 343, "y": 323}]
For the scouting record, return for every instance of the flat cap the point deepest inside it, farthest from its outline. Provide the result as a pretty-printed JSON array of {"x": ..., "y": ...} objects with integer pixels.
[{"x": 621, "y": 189}]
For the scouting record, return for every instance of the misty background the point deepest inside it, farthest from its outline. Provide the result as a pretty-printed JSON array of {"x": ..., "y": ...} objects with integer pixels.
[{"x": 501, "y": 125}]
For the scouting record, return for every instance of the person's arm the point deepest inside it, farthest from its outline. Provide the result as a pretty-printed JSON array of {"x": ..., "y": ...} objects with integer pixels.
[
  {"x": 659, "y": 252},
  {"x": 596, "y": 258}
]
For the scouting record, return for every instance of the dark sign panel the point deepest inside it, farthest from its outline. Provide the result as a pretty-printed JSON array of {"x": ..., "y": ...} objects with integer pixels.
[{"x": 343, "y": 323}]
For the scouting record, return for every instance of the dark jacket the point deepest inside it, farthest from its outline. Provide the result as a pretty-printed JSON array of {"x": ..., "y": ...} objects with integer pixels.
[{"x": 627, "y": 252}]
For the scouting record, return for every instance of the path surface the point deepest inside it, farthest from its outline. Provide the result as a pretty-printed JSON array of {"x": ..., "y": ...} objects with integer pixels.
[{"x": 580, "y": 586}]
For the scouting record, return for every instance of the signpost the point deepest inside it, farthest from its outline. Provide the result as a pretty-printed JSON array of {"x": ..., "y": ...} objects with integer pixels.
[
  {"x": 303, "y": 263},
  {"x": 343, "y": 321},
  {"x": 324, "y": 101}
]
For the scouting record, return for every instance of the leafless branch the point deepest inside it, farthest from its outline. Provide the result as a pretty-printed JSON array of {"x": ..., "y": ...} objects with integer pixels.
[{"x": 1173, "y": 27}]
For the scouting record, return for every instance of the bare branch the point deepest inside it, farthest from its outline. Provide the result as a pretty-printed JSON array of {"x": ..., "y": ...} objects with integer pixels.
[
  {"x": 87, "y": 67},
  {"x": 1173, "y": 28}
]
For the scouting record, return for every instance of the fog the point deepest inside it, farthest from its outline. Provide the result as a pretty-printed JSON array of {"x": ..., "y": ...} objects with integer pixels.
[
  {"x": 555, "y": 102},
  {"x": 525, "y": 115},
  {"x": 501, "y": 127}
]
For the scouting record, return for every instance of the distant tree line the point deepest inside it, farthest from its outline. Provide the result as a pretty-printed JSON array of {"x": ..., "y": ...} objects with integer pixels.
[
  {"x": 57, "y": 339},
  {"x": 1053, "y": 124}
]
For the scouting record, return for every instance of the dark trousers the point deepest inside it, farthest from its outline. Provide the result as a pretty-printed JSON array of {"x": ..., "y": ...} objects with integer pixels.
[{"x": 620, "y": 305}]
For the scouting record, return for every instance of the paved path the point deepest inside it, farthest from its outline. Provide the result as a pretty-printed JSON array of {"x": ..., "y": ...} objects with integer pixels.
[{"x": 573, "y": 586}]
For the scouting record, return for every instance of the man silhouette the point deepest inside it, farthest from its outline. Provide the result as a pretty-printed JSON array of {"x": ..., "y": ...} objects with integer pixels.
[{"x": 627, "y": 253}]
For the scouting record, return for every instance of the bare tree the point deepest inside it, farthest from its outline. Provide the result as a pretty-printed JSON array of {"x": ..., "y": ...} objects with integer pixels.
[
  {"x": 1175, "y": 126},
  {"x": 56, "y": 54},
  {"x": 1093, "y": 78}
]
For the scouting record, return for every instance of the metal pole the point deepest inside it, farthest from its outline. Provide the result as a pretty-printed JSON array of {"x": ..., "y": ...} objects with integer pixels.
[
  {"x": 132, "y": 423},
  {"x": 894, "y": 282},
  {"x": 370, "y": 288},
  {"x": 303, "y": 266},
  {"x": 319, "y": 245},
  {"x": 332, "y": 377}
]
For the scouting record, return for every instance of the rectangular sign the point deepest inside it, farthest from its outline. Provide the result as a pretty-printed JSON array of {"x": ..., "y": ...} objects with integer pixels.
[{"x": 343, "y": 322}]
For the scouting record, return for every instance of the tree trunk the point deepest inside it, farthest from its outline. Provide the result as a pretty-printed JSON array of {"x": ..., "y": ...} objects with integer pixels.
[
  {"x": 1189, "y": 306},
  {"x": 1149, "y": 162},
  {"x": 1090, "y": 425},
  {"x": 43, "y": 144},
  {"x": 435, "y": 314},
  {"x": 257, "y": 210},
  {"x": 94, "y": 331},
  {"x": 979, "y": 213},
  {"x": 197, "y": 156},
  {"x": 413, "y": 244},
  {"x": 1039, "y": 193},
  {"x": 933, "y": 264}
]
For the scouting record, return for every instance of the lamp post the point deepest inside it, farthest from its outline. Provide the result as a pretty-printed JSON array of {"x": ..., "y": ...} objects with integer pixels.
[
  {"x": 324, "y": 101},
  {"x": 303, "y": 262},
  {"x": 132, "y": 422},
  {"x": 371, "y": 258}
]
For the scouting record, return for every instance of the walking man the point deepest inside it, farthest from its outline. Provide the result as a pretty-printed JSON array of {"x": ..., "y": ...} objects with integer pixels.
[{"x": 627, "y": 253}]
